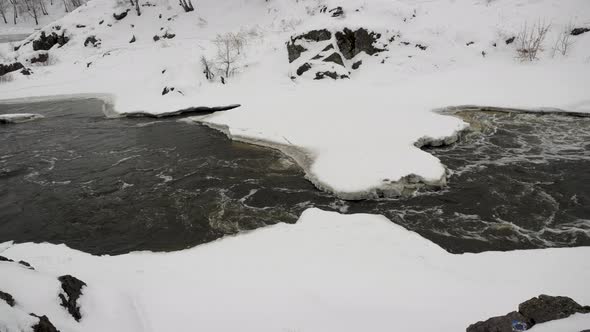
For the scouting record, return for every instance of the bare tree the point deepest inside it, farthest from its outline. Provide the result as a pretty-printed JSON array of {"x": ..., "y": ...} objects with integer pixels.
[
  {"x": 530, "y": 40},
  {"x": 187, "y": 5},
  {"x": 137, "y": 8},
  {"x": 228, "y": 52},
  {"x": 564, "y": 41},
  {"x": 32, "y": 9},
  {"x": 207, "y": 68},
  {"x": 3, "y": 9},
  {"x": 14, "y": 4}
]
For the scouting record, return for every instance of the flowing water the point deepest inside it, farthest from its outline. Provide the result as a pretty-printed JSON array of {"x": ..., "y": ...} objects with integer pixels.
[{"x": 118, "y": 185}]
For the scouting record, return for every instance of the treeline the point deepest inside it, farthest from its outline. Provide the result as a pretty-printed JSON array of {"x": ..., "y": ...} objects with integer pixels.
[{"x": 14, "y": 11}]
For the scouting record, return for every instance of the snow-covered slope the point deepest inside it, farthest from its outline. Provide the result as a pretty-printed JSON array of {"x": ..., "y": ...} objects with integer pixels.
[
  {"x": 327, "y": 272},
  {"x": 356, "y": 135}
]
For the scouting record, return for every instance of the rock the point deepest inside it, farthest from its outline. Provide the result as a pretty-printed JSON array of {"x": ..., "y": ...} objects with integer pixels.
[
  {"x": 305, "y": 67},
  {"x": 579, "y": 31},
  {"x": 336, "y": 58},
  {"x": 101, "y": 22},
  {"x": 352, "y": 43},
  {"x": 422, "y": 47},
  {"x": 44, "y": 325},
  {"x": 357, "y": 64},
  {"x": 72, "y": 287},
  {"x": 337, "y": 12},
  {"x": 507, "y": 323},
  {"x": 327, "y": 48},
  {"x": 156, "y": 38},
  {"x": 469, "y": 43},
  {"x": 510, "y": 40},
  {"x": 5, "y": 69},
  {"x": 26, "y": 264},
  {"x": 47, "y": 42},
  {"x": 41, "y": 57},
  {"x": 168, "y": 35},
  {"x": 317, "y": 35},
  {"x": 26, "y": 71},
  {"x": 330, "y": 74},
  {"x": 132, "y": 40},
  {"x": 92, "y": 40},
  {"x": 294, "y": 51},
  {"x": 167, "y": 89},
  {"x": 7, "y": 298},
  {"x": 546, "y": 308},
  {"x": 80, "y": 26},
  {"x": 120, "y": 16}
]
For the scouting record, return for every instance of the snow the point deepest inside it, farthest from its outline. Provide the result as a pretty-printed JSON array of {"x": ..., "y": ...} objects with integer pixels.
[
  {"x": 327, "y": 272},
  {"x": 357, "y": 135},
  {"x": 574, "y": 323},
  {"x": 19, "y": 117}
]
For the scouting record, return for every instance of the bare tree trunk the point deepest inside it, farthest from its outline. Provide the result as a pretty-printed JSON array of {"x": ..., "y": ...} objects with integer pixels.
[
  {"x": 66, "y": 5},
  {"x": 43, "y": 7},
  {"x": 3, "y": 16},
  {"x": 137, "y": 8},
  {"x": 14, "y": 10}
]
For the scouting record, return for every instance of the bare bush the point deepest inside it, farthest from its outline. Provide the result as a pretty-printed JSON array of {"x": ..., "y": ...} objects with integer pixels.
[
  {"x": 229, "y": 50},
  {"x": 186, "y": 5},
  {"x": 564, "y": 41},
  {"x": 208, "y": 68},
  {"x": 529, "y": 41}
]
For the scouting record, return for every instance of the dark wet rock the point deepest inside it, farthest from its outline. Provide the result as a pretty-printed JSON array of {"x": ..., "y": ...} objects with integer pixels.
[
  {"x": 510, "y": 40},
  {"x": 324, "y": 74},
  {"x": 534, "y": 311},
  {"x": 41, "y": 57},
  {"x": 336, "y": 58},
  {"x": 357, "y": 64},
  {"x": 303, "y": 68},
  {"x": 294, "y": 51},
  {"x": 26, "y": 264},
  {"x": 469, "y": 43},
  {"x": 44, "y": 325},
  {"x": 579, "y": 31},
  {"x": 101, "y": 22},
  {"x": 168, "y": 35},
  {"x": 405, "y": 43},
  {"x": 546, "y": 308},
  {"x": 72, "y": 287},
  {"x": 167, "y": 90},
  {"x": 337, "y": 12},
  {"x": 46, "y": 42},
  {"x": 506, "y": 323},
  {"x": 132, "y": 40},
  {"x": 422, "y": 47},
  {"x": 92, "y": 40},
  {"x": 80, "y": 26},
  {"x": 186, "y": 111},
  {"x": 317, "y": 35},
  {"x": 4, "y": 259},
  {"x": 352, "y": 43},
  {"x": 7, "y": 298},
  {"x": 120, "y": 16},
  {"x": 156, "y": 38},
  {"x": 26, "y": 71},
  {"x": 8, "y": 68}
]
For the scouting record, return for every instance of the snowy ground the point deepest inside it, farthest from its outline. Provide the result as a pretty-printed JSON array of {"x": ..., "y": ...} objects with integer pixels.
[{"x": 328, "y": 272}]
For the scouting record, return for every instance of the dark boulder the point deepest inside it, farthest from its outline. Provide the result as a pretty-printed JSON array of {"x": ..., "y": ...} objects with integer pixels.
[
  {"x": 120, "y": 16},
  {"x": 45, "y": 42},
  {"x": 132, "y": 40},
  {"x": 337, "y": 12},
  {"x": 508, "y": 323},
  {"x": 167, "y": 90},
  {"x": 44, "y": 325},
  {"x": 72, "y": 290},
  {"x": 330, "y": 74},
  {"x": 546, "y": 308},
  {"x": 357, "y": 64},
  {"x": 5, "y": 69},
  {"x": 303, "y": 68},
  {"x": 294, "y": 51},
  {"x": 156, "y": 38},
  {"x": 168, "y": 35},
  {"x": 579, "y": 31},
  {"x": 41, "y": 57},
  {"x": 510, "y": 40},
  {"x": 92, "y": 40},
  {"x": 26, "y": 264},
  {"x": 7, "y": 298},
  {"x": 317, "y": 35},
  {"x": 352, "y": 43},
  {"x": 422, "y": 47},
  {"x": 2, "y": 258},
  {"x": 80, "y": 26},
  {"x": 336, "y": 58},
  {"x": 26, "y": 71}
]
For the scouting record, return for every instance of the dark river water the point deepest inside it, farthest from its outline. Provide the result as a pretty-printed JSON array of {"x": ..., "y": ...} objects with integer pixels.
[{"x": 110, "y": 186}]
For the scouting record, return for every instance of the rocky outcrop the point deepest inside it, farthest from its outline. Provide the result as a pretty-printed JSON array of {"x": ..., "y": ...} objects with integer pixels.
[
  {"x": 546, "y": 308},
  {"x": 92, "y": 41},
  {"x": 7, "y": 298},
  {"x": 41, "y": 57},
  {"x": 534, "y": 311},
  {"x": 316, "y": 35},
  {"x": 350, "y": 43},
  {"x": 46, "y": 42},
  {"x": 72, "y": 290},
  {"x": 579, "y": 31},
  {"x": 8, "y": 68},
  {"x": 44, "y": 325},
  {"x": 294, "y": 51}
]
